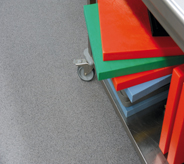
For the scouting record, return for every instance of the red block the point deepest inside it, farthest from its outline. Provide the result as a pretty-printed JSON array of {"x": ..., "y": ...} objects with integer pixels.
[
  {"x": 171, "y": 107},
  {"x": 127, "y": 81},
  {"x": 176, "y": 148},
  {"x": 126, "y": 32}
]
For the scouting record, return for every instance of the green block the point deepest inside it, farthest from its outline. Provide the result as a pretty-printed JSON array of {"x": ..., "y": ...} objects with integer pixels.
[{"x": 110, "y": 69}]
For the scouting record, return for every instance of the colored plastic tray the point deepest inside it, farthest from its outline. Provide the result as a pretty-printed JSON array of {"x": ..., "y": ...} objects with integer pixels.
[
  {"x": 176, "y": 147},
  {"x": 138, "y": 91},
  {"x": 109, "y": 69},
  {"x": 129, "y": 111},
  {"x": 123, "y": 82},
  {"x": 171, "y": 107},
  {"x": 126, "y": 32}
]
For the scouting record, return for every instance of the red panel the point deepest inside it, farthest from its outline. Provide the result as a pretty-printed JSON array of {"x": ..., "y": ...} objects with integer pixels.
[
  {"x": 126, "y": 32},
  {"x": 176, "y": 148},
  {"x": 127, "y": 81},
  {"x": 171, "y": 107}
]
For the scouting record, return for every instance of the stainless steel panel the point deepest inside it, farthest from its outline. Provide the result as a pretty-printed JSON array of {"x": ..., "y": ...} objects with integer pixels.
[
  {"x": 179, "y": 4},
  {"x": 143, "y": 128}
]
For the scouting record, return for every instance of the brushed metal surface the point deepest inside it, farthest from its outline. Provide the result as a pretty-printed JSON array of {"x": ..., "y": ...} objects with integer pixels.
[{"x": 142, "y": 128}]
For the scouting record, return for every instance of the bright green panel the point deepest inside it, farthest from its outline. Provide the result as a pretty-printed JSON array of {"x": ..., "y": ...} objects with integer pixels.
[{"x": 109, "y": 69}]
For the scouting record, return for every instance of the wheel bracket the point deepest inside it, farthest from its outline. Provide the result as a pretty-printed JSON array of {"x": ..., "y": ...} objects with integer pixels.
[{"x": 87, "y": 63}]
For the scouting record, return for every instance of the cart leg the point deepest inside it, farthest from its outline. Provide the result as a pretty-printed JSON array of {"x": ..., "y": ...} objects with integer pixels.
[{"x": 85, "y": 69}]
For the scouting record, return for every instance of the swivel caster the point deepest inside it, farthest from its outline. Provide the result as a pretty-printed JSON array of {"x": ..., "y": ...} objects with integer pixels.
[
  {"x": 87, "y": 77},
  {"x": 85, "y": 69}
]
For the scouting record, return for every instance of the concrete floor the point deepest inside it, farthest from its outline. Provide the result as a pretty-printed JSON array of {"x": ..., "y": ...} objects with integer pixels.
[{"x": 47, "y": 114}]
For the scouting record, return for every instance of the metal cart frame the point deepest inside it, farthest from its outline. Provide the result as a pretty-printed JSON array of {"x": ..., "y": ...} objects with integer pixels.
[{"x": 143, "y": 128}]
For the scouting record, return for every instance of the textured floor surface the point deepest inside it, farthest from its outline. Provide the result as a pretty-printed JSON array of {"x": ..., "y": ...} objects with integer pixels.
[{"x": 47, "y": 114}]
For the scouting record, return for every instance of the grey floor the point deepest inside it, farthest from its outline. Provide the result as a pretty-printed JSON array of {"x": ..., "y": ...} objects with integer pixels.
[{"x": 47, "y": 114}]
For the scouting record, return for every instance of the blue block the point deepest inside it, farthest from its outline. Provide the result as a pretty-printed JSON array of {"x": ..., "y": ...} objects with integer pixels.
[
  {"x": 129, "y": 111},
  {"x": 138, "y": 91}
]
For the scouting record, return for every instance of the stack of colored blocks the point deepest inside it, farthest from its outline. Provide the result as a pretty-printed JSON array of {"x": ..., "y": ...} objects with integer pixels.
[
  {"x": 124, "y": 49},
  {"x": 137, "y": 65}
]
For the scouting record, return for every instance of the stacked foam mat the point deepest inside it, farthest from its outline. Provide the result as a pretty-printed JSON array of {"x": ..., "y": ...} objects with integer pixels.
[{"x": 138, "y": 66}]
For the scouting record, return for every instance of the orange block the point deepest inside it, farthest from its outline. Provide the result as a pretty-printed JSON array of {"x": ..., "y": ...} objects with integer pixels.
[
  {"x": 130, "y": 80},
  {"x": 176, "y": 148},
  {"x": 126, "y": 32},
  {"x": 171, "y": 107}
]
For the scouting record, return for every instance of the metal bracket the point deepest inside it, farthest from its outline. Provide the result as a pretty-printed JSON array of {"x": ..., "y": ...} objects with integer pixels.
[{"x": 87, "y": 63}]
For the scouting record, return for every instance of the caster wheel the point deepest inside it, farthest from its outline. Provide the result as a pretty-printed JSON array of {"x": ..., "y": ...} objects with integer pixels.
[{"x": 88, "y": 77}]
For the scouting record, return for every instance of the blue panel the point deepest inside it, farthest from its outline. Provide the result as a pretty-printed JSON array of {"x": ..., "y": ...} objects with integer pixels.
[
  {"x": 129, "y": 111},
  {"x": 138, "y": 91}
]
